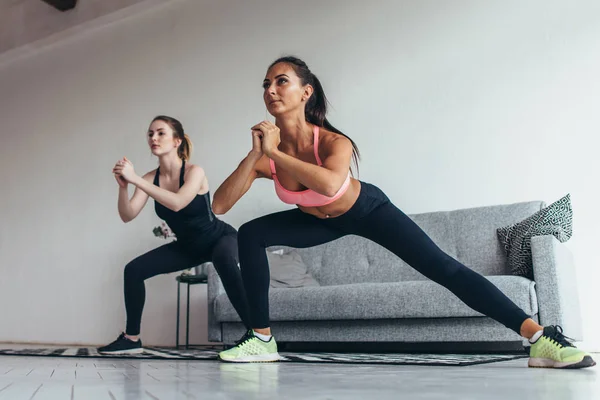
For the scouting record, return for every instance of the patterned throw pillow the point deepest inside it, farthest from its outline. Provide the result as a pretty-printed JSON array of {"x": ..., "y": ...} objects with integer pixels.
[{"x": 556, "y": 219}]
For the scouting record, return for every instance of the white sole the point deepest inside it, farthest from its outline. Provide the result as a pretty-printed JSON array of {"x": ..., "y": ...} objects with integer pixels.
[
  {"x": 548, "y": 363},
  {"x": 123, "y": 352},
  {"x": 271, "y": 357}
]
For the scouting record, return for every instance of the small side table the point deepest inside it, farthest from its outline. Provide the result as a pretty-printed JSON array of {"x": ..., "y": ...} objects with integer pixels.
[{"x": 189, "y": 280}]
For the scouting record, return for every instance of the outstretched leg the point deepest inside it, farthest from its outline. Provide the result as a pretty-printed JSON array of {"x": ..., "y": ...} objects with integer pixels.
[
  {"x": 395, "y": 231},
  {"x": 392, "y": 229}
]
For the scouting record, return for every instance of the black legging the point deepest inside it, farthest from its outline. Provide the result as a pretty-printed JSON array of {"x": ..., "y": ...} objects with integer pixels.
[
  {"x": 373, "y": 217},
  {"x": 176, "y": 257}
]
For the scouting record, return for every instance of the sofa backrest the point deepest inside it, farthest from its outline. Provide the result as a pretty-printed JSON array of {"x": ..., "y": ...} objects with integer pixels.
[{"x": 469, "y": 235}]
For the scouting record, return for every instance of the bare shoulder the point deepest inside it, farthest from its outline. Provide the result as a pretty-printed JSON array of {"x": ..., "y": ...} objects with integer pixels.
[
  {"x": 193, "y": 168},
  {"x": 195, "y": 173},
  {"x": 331, "y": 141}
]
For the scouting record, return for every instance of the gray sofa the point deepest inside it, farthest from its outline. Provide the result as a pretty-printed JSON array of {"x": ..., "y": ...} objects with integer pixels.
[{"x": 367, "y": 294}]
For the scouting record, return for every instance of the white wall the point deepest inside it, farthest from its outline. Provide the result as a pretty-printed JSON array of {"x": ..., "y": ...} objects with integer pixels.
[
  {"x": 453, "y": 104},
  {"x": 23, "y": 22}
]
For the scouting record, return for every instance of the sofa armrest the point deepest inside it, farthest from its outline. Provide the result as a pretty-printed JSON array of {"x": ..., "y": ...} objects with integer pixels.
[
  {"x": 214, "y": 289},
  {"x": 556, "y": 285}
]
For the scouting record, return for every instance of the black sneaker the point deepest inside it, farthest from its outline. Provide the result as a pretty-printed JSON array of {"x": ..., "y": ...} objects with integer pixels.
[{"x": 122, "y": 346}]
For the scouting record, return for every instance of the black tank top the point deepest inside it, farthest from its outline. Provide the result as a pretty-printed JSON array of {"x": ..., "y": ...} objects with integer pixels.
[{"x": 194, "y": 222}]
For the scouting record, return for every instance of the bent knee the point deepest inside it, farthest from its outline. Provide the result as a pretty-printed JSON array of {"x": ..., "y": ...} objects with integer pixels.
[
  {"x": 132, "y": 269},
  {"x": 251, "y": 231}
]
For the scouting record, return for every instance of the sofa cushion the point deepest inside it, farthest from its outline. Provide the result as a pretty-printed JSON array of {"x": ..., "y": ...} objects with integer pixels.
[{"x": 410, "y": 299}]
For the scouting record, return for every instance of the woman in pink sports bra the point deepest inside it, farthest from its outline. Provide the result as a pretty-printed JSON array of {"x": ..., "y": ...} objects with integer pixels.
[{"x": 309, "y": 161}]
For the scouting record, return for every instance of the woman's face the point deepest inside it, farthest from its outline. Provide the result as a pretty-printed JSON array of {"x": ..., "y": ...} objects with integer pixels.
[
  {"x": 283, "y": 90},
  {"x": 161, "y": 139}
]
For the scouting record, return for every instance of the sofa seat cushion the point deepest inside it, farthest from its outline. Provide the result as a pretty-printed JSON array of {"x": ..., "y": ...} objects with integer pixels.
[{"x": 410, "y": 299}]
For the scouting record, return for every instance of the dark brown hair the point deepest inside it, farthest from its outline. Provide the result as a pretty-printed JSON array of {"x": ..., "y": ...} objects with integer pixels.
[{"x": 316, "y": 107}]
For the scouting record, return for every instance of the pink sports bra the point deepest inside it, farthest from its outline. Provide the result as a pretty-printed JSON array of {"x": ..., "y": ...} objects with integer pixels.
[{"x": 308, "y": 197}]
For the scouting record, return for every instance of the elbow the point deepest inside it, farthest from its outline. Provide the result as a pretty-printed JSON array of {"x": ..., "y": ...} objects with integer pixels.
[
  {"x": 217, "y": 205},
  {"x": 125, "y": 219},
  {"x": 179, "y": 205},
  {"x": 332, "y": 189},
  {"x": 330, "y": 192},
  {"x": 219, "y": 209}
]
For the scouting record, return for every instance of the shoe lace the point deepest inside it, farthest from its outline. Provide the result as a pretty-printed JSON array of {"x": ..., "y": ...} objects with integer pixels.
[
  {"x": 118, "y": 340},
  {"x": 558, "y": 337},
  {"x": 247, "y": 336}
]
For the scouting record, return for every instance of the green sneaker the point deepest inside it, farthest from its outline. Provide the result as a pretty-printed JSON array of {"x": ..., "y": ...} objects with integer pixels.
[
  {"x": 553, "y": 350},
  {"x": 251, "y": 349}
]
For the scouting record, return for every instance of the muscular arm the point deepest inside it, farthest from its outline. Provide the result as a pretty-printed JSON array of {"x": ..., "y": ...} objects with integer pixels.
[
  {"x": 326, "y": 179},
  {"x": 238, "y": 183}
]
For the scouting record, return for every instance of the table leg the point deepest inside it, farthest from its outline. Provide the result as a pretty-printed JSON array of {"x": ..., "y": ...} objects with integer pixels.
[
  {"x": 187, "y": 324},
  {"x": 177, "y": 329}
]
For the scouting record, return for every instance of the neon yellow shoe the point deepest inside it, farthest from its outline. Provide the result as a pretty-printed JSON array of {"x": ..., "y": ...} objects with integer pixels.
[
  {"x": 553, "y": 350},
  {"x": 251, "y": 349}
]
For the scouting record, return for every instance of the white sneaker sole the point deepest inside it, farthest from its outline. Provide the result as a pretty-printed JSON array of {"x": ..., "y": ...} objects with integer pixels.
[
  {"x": 123, "y": 352},
  {"x": 586, "y": 362},
  {"x": 271, "y": 357}
]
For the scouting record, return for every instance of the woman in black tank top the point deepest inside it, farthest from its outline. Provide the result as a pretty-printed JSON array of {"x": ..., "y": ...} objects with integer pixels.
[{"x": 182, "y": 199}]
